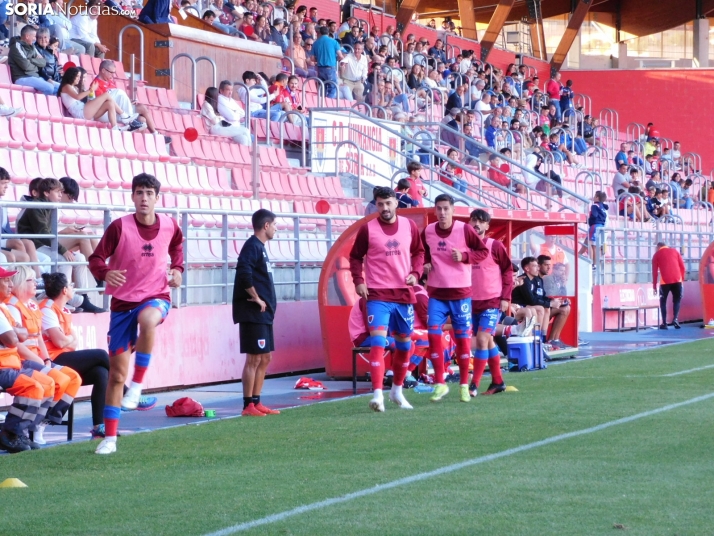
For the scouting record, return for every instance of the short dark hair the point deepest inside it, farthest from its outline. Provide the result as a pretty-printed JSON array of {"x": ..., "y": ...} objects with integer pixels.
[
  {"x": 526, "y": 261},
  {"x": 54, "y": 284},
  {"x": 34, "y": 184},
  {"x": 542, "y": 258},
  {"x": 384, "y": 192},
  {"x": 71, "y": 188},
  {"x": 324, "y": 30},
  {"x": 4, "y": 175},
  {"x": 249, "y": 75},
  {"x": 281, "y": 77},
  {"x": 411, "y": 166},
  {"x": 403, "y": 184},
  {"x": 206, "y": 14},
  {"x": 480, "y": 215},
  {"x": 224, "y": 84},
  {"x": 147, "y": 181},
  {"x": 261, "y": 217},
  {"x": 444, "y": 197},
  {"x": 514, "y": 267},
  {"x": 47, "y": 185}
]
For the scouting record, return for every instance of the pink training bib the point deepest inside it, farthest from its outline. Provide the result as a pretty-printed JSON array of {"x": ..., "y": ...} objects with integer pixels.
[
  {"x": 388, "y": 261},
  {"x": 486, "y": 282},
  {"x": 445, "y": 271}
]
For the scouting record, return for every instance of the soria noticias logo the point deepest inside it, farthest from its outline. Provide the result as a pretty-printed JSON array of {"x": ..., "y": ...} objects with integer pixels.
[{"x": 68, "y": 11}]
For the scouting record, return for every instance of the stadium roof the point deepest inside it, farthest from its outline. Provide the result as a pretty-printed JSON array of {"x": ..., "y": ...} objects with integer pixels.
[{"x": 636, "y": 17}]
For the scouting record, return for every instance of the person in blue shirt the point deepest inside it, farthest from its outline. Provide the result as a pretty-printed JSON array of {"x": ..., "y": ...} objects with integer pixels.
[
  {"x": 566, "y": 96},
  {"x": 327, "y": 52},
  {"x": 597, "y": 219},
  {"x": 621, "y": 157}
]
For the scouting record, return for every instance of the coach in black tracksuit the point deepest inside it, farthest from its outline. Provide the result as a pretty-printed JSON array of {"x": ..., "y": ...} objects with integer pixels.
[{"x": 254, "y": 305}]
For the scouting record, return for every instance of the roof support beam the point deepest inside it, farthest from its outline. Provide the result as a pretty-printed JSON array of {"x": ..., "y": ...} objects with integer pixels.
[
  {"x": 495, "y": 25},
  {"x": 571, "y": 32},
  {"x": 468, "y": 19},
  {"x": 538, "y": 40},
  {"x": 405, "y": 12}
]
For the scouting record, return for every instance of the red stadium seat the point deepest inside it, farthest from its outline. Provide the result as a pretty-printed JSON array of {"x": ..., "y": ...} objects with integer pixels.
[
  {"x": 85, "y": 147},
  {"x": 17, "y": 134},
  {"x": 113, "y": 174}
]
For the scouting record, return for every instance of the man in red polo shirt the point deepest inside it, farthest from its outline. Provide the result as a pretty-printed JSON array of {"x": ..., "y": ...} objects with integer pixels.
[{"x": 670, "y": 266}]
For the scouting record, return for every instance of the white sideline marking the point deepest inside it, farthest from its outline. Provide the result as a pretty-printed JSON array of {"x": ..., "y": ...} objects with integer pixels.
[
  {"x": 686, "y": 371},
  {"x": 274, "y": 518}
]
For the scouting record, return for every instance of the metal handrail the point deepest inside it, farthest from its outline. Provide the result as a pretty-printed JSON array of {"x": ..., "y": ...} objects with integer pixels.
[
  {"x": 213, "y": 64},
  {"x": 320, "y": 94},
  {"x": 359, "y": 162},
  {"x": 303, "y": 125},
  {"x": 292, "y": 64},
  {"x": 194, "y": 98},
  {"x": 120, "y": 38}
]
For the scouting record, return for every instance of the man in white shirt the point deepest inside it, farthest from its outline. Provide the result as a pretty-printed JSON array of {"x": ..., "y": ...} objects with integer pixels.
[
  {"x": 84, "y": 30},
  {"x": 484, "y": 105},
  {"x": 353, "y": 72},
  {"x": 258, "y": 98},
  {"x": 228, "y": 108},
  {"x": 60, "y": 28}
]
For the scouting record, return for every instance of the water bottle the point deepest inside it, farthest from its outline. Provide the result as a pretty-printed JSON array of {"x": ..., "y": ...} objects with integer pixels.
[
  {"x": 606, "y": 302},
  {"x": 423, "y": 388}
]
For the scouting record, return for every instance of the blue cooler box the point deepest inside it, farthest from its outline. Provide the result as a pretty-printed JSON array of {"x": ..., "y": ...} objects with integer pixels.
[{"x": 525, "y": 353}]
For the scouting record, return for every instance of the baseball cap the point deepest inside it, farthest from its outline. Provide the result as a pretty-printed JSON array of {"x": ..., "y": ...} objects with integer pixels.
[{"x": 6, "y": 273}]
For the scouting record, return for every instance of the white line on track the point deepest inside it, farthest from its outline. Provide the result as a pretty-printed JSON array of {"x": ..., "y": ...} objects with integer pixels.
[
  {"x": 686, "y": 371},
  {"x": 274, "y": 518}
]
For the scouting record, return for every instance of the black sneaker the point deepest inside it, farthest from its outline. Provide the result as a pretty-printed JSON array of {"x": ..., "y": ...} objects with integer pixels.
[
  {"x": 676, "y": 325},
  {"x": 136, "y": 125},
  {"x": 495, "y": 388},
  {"x": 167, "y": 140},
  {"x": 473, "y": 390},
  {"x": 663, "y": 326},
  {"x": 28, "y": 441},
  {"x": 89, "y": 307},
  {"x": 12, "y": 443}
]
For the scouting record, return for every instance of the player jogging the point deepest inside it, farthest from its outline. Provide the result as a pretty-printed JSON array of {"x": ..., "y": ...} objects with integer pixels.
[
  {"x": 137, "y": 246},
  {"x": 450, "y": 246},
  {"x": 492, "y": 282},
  {"x": 254, "y": 304},
  {"x": 390, "y": 251}
]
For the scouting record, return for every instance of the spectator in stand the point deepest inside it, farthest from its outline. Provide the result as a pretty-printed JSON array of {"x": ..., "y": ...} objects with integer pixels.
[
  {"x": 293, "y": 91},
  {"x": 688, "y": 202},
  {"x": 621, "y": 156},
  {"x": 51, "y": 71},
  {"x": 77, "y": 241},
  {"x": 26, "y": 61},
  {"x": 279, "y": 94},
  {"x": 553, "y": 89},
  {"x": 494, "y": 171},
  {"x": 437, "y": 51},
  {"x": 106, "y": 84},
  {"x": 677, "y": 154},
  {"x": 313, "y": 14},
  {"x": 258, "y": 97},
  {"x": 449, "y": 136},
  {"x": 84, "y": 30},
  {"x": 371, "y": 207},
  {"x": 471, "y": 148},
  {"x": 216, "y": 125},
  {"x": 209, "y": 17},
  {"x": 60, "y": 27},
  {"x": 247, "y": 27},
  {"x": 302, "y": 67},
  {"x": 276, "y": 35},
  {"x": 668, "y": 271},
  {"x": 310, "y": 32},
  {"x": 654, "y": 207},
  {"x": 36, "y": 221},
  {"x": 566, "y": 97},
  {"x": 561, "y": 152},
  {"x": 327, "y": 52},
  {"x": 477, "y": 89},
  {"x": 597, "y": 219},
  {"x": 455, "y": 100},
  {"x": 228, "y": 108},
  {"x": 102, "y": 108},
  {"x": 403, "y": 199},
  {"x": 352, "y": 37},
  {"x": 493, "y": 133},
  {"x": 262, "y": 29},
  {"x": 586, "y": 128},
  {"x": 396, "y": 100},
  {"x": 416, "y": 187},
  {"x": 13, "y": 249},
  {"x": 634, "y": 159},
  {"x": 353, "y": 73},
  {"x": 484, "y": 105}
]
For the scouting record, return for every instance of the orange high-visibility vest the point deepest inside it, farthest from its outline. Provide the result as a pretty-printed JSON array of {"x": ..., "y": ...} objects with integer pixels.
[
  {"x": 9, "y": 358},
  {"x": 65, "y": 321}
]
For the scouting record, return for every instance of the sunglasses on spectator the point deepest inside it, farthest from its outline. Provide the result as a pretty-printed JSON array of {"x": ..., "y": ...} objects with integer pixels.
[{"x": 113, "y": 72}]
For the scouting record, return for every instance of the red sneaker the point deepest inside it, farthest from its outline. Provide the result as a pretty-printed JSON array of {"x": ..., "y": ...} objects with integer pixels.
[
  {"x": 265, "y": 409},
  {"x": 252, "y": 411}
]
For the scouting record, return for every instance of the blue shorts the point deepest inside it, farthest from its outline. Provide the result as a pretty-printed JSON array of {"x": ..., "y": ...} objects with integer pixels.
[
  {"x": 394, "y": 318},
  {"x": 593, "y": 231},
  {"x": 124, "y": 325},
  {"x": 487, "y": 320},
  {"x": 458, "y": 310}
]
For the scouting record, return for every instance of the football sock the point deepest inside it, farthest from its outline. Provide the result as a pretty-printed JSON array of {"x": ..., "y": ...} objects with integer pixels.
[
  {"x": 463, "y": 358},
  {"x": 494, "y": 365},
  {"x": 400, "y": 362},
  {"x": 111, "y": 422},
  {"x": 376, "y": 363},
  {"x": 141, "y": 363},
  {"x": 507, "y": 331},
  {"x": 479, "y": 366},
  {"x": 436, "y": 354},
  {"x": 247, "y": 401},
  {"x": 256, "y": 400}
]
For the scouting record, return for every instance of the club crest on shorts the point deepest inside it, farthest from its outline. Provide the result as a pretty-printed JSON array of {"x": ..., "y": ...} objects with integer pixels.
[
  {"x": 261, "y": 343},
  {"x": 370, "y": 319},
  {"x": 464, "y": 307}
]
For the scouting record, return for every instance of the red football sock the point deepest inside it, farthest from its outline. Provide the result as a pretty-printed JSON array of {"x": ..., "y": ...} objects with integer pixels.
[
  {"x": 494, "y": 365},
  {"x": 412, "y": 367},
  {"x": 139, "y": 374},
  {"x": 436, "y": 354},
  {"x": 376, "y": 363},
  {"x": 110, "y": 427},
  {"x": 479, "y": 367},
  {"x": 400, "y": 362},
  {"x": 463, "y": 358}
]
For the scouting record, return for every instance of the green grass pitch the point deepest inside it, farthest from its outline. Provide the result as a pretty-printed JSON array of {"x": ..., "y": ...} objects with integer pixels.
[{"x": 650, "y": 476}]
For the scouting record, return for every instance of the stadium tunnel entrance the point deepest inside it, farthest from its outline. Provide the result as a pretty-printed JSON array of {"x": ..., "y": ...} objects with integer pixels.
[{"x": 336, "y": 292}]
